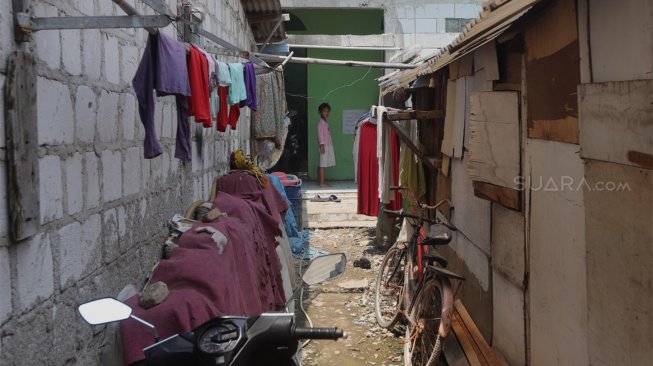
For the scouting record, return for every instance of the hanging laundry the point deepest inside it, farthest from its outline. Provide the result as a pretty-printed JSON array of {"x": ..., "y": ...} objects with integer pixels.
[
  {"x": 223, "y": 108},
  {"x": 163, "y": 54},
  {"x": 215, "y": 104},
  {"x": 234, "y": 114},
  {"x": 250, "y": 87},
  {"x": 384, "y": 156},
  {"x": 237, "y": 91},
  {"x": 224, "y": 76},
  {"x": 198, "y": 74},
  {"x": 368, "y": 171},
  {"x": 411, "y": 174},
  {"x": 395, "y": 197},
  {"x": 264, "y": 120}
]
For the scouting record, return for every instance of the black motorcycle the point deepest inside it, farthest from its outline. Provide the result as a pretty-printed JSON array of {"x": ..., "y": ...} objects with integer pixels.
[{"x": 268, "y": 339}]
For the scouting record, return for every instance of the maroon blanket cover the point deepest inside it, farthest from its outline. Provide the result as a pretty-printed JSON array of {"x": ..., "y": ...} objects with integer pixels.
[{"x": 245, "y": 280}]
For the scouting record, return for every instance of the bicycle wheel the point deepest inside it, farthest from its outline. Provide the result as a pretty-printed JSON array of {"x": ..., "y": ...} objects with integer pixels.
[
  {"x": 389, "y": 288},
  {"x": 423, "y": 344}
]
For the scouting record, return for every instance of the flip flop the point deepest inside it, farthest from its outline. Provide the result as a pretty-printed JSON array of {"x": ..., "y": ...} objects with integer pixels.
[
  {"x": 318, "y": 198},
  {"x": 334, "y": 198}
]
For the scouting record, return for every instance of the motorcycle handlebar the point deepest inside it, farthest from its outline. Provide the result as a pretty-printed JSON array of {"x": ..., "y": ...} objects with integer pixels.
[{"x": 319, "y": 333}]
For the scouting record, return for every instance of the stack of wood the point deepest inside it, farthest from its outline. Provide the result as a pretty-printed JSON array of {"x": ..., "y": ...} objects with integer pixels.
[{"x": 466, "y": 346}]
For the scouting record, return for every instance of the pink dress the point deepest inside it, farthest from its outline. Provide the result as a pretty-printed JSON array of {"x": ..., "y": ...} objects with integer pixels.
[{"x": 327, "y": 159}]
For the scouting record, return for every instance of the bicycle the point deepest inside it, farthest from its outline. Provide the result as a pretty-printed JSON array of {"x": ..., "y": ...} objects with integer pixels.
[{"x": 423, "y": 294}]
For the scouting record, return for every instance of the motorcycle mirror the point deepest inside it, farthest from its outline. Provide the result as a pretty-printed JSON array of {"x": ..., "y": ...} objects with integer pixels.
[
  {"x": 325, "y": 268},
  {"x": 104, "y": 311}
]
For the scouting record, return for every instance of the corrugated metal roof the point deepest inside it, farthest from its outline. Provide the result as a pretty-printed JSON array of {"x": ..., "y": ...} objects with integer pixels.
[
  {"x": 497, "y": 16},
  {"x": 263, "y": 16}
]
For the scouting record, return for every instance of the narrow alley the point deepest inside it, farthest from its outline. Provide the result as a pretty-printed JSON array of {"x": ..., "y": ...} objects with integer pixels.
[{"x": 326, "y": 183}]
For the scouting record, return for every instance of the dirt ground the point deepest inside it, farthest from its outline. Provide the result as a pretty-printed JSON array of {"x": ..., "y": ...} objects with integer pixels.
[{"x": 348, "y": 303}]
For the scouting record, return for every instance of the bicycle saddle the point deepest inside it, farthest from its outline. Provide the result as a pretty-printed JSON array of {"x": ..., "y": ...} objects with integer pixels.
[{"x": 438, "y": 235}]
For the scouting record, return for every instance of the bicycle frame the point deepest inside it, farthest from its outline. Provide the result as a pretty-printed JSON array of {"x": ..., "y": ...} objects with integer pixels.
[{"x": 422, "y": 276}]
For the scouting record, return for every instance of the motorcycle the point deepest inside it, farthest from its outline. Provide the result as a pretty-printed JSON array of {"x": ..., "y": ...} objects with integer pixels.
[{"x": 268, "y": 339}]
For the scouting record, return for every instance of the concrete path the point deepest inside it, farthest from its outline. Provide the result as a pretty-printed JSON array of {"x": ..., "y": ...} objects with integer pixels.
[{"x": 321, "y": 215}]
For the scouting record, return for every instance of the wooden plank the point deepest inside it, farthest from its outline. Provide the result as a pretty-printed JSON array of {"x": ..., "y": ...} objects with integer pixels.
[
  {"x": 507, "y": 197},
  {"x": 617, "y": 122},
  {"x": 466, "y": 340},
  {"x": 411, "y": 114},
  {"x": 485, "y": 58},
  {"x": 22, "y": 146},
  {"x": 453, "y": 352},
  {"x": 494, "y": 154},
  {"x": 431, "y": 162},
  {"x": 449, "y": 120},
  {"x": 460, "y": 117},
  {"x": 480, "y": 342},
  {"x": 466, "y": 65}
]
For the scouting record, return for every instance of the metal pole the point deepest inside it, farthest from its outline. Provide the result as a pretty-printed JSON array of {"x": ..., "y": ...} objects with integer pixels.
[
  {"x": 129, "y": 10},
  {"x": 276, "y": 26},
  {"x": 321, "y": 61}
]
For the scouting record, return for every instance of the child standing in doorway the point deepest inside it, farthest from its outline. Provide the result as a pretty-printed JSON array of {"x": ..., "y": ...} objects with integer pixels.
[{"x": 327, "y": 155}]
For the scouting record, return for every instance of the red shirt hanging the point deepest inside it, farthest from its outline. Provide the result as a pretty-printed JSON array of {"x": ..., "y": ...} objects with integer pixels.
[
  {"x": 368, "y": 171},
  {"x": 198, "y": 74}
]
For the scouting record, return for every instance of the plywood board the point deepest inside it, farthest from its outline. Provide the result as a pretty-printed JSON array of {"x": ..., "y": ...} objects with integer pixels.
[
  {"x": 508, "y": 320},
  {"x": 553, "y": 73},
  {"x": 621, "y": 40},
  {"x": 471, "y": 214},
  {"x": 508, "y": 248},
  {"x": 618, "y": 122},
  {"x": 507, "y": 197},
  {"x": 619, "y": 237},
  {"x": 485, "y": 58},
  {"x": 494, "y": 138},
  {"x": 557, "y": 256},
  {"x": 449, "y": 119},
  {"x": 460, "y": 117}
]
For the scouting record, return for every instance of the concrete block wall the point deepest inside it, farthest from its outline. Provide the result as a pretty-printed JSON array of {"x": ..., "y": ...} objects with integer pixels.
[{"x": 103, "y": 207}]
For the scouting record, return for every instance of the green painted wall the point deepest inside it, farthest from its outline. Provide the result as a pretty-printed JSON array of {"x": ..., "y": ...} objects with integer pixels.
[{"x": 322, "y": 79}]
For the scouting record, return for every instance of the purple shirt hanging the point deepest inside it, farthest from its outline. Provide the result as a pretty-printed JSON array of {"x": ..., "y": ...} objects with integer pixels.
[
  {"x": 163, "y": 68},
  {"x": 250, "y": 86}
]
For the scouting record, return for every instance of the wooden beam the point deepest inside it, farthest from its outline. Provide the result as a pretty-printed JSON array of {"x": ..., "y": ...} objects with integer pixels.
[
  {"x": 431, "y": 162},
  {"x": 22, "y": 146},
  {"x": 486, "y": 353},
  {"x": 507, "y": 197},
  {"x": 410, "y": 114}
]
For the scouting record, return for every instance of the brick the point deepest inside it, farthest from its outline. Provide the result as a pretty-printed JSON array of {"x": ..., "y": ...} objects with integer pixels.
[
  {"x": 145, "y": 168},
  {"x": 107, "y": 116},
  {"x": 6, "y": 32},
  {"x": 4, "y": 213},
  {"x": 5, "y": 285},
  {"x": 50, "y": 188},
  {"x": 426, "y": 25},
  {"x": 48, "y": 43},
  {"x": 111, "y": 175},
  {"x": 167, "y": 121},
  {"x": 435, "y": 11},
  {"x": 110, "y": 235},
  {"x": 91, "y": 52},
  {"x": 54, "y": 112},
  {"x": 85, "y": 114},
  {"x": 440, "y": 25},
  {"x": 74, "y": 183},
  {"x": 407, "y": 25},
  {"x": 105, "y": 8},
  {"x": 70, "y": 238},
  {"x": 132, "y": 171},
  {"x": 3, "y": 138},
  {"x": 34, "y": 271},
  {"x": 71, "y": 53},
  {"x": 91, "y": 173},
  {"x": 467, "y": 10},
  {"x": 129, "y": 64},
  {"x": 86, "y": 7},
  {"x": 111, "y": 59},
  {"x": 127, "y": 115}
]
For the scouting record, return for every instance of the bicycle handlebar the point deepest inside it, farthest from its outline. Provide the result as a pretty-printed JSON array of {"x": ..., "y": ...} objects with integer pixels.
[
  {"x": 401, "y": 213},
  {"x": 319, "y": 333}
]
